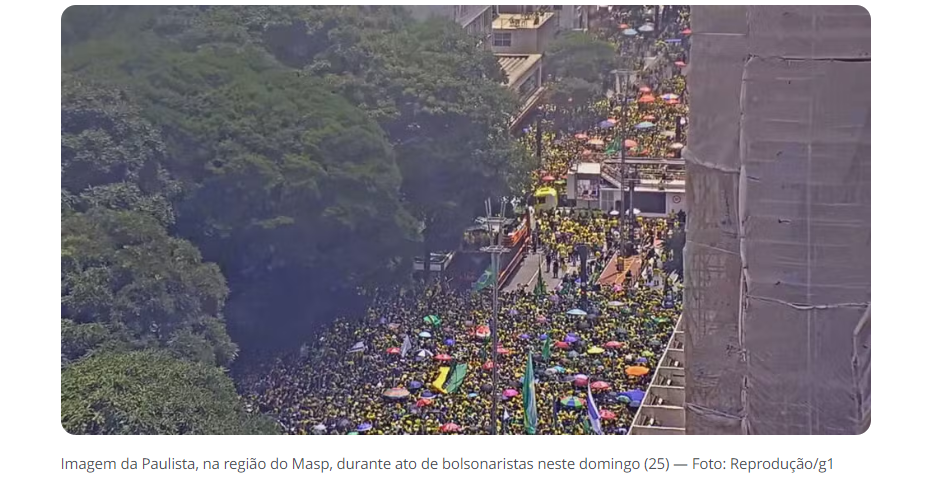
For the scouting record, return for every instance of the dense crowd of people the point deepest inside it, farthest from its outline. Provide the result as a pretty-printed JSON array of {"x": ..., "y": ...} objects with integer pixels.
[{"x": 386, "y": 372}]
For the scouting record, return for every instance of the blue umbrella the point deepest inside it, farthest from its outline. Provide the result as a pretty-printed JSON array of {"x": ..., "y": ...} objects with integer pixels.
[
  {"x": 450, "y": 342},
  {"x": 543, "y": 337},
  {"x": 573, "y": 334},
  {"x": 428, "y": 395},
  {"x": 576, "y": 311},
  {"x": 571, "y": 339},
  {"x": 641, "y": 361},
  {"x": 472, "y": 394},
  {"x": 634, "y": 403},
  {"x": 414, "y": 384},
  {"x": 365, "y": 427},
  {"x": 634, "y": 395},
  {"x": 644, "y": 125},
  {"x": 559, "y": 369},
  {"x": 524, "y": 336},
  {"x": 674, "y": 41},
  {"x": 513, "y": 312},
  {"x": 630, "y": 32},
  {"x": 606, "y": 124}
]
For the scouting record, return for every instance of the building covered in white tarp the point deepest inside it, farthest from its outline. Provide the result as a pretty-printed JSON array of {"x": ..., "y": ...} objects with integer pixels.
[{"x": 778, "y": 257}]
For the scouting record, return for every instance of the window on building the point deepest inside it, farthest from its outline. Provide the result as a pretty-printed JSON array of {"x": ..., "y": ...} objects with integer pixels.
[{"x": 501, "y": 39}]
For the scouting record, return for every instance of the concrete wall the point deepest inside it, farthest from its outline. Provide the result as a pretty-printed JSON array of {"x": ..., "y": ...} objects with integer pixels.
[{"x": 778, "y": 255}]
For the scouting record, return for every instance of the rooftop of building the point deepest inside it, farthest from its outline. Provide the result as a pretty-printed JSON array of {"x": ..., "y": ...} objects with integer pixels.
[
  {"x": 521, "y": 21},
  {"x": 516, "y": 66}
]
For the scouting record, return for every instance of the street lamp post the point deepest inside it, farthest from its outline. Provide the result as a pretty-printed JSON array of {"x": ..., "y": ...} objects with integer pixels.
[{"x": 496, "y": 227}]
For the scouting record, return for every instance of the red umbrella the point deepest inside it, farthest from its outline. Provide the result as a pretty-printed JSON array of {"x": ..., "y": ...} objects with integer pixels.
[
  {"x": 679, "y": 63},
  {"x": 548, "y": 178},
  {"x": 502, "y": 350},
  {"x": 612, "y": 344},
  {"x": 606, "y": 415},
  {"x": 625, "y": 26},
  {"x": 647, "y": 98},
  {"x": 449, "y": 427},
  {"x": 649, "y": 118},
  {"x": 672, "y": 101},
  {"x": 630, "y": 143},
  {"x": 561, "y": 345},
  {"x": 686, "y": 31},
  {"x": 443, "y": 357},
  {"x": 487, "y": 366},
  {"x": 645, "y": 90},
  {"x": 393, "y": 350},
  {"x": 482, "y": 332},
  {"x": 423, "y": 402},
  {"x": 599, "y": 385}
]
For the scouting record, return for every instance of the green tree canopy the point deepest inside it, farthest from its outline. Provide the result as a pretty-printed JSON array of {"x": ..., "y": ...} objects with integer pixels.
[
  {"x": 125, "y": 283},
  {"x": 151, "y": 393},
  {"x": 580, "y": 55}
]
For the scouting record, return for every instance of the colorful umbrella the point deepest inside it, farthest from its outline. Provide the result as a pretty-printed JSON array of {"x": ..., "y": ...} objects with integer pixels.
[
  {"x": 571, "y": 401},
  {"x": 443, "y": 357},
  {"x": 686, "y": 31},
  {"x": 612, "y": 345},
  {"x": 393, "y": 350},
  {"x": 396, "y": 393},
  {"x": 630, "y": 143},
  {"x": 599, "y": 385},
  {"x": 548, "y": 178},
  {"x": 581, "y": 380},
  {"x": 647, "y": 98},
  {"x": 623, "y": 399},
  {"x": 510, "y": 393},
  {"x": 669, "y": 96},
  {"x": 606, "y": 415},
  {"x": 679, "y": 63},
  {"x": 672, "y": 101},
  {"x": 365, "y": 427},
  {"x": 450, "y": 427},
  {"x": 649, "y": 118},
  {"x": 634, "y": 395},
  {"x": 644, "y": 125},
  {"x": 487, "y": 366},
  {"x": 502, "y": 350},
  {"x": 524, "y": 336},
  {"x": 449, "y": 342},
  {"x": 543, "y": 337},
  {"x": 637, "y": 371},
  {"x": 414, "y": 384},
  {"x": 570, "y": 339},
  {"x": 483, "y": 332},
  {"x": 423, "y": 402},
  {"x": 561, "y": 345},
  {"x": 595, "y": 350}
]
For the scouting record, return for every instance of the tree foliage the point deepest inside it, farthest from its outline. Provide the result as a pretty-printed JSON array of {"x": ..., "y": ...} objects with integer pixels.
[
  {"x": 125, "y": 283},
  {"x": 151, "y": 393},
  {"x": 580, "y": 55}
]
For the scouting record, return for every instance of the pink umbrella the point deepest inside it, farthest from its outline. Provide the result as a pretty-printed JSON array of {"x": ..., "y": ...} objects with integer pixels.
[
  {"x": 612, "y": 345},
  {"x": 443, "y": 357},
  {"x": 488, "y": 365},
  {"x": 630, "y": 143},
  {"x": 510, "y": 393},
  {"x": 393, "y": 350},
  {"x": 581, "y": 380},
  {"x": 450, "y": 427},
  {"x": 502, "y": 350},
  {"x": 423, "y": 402},
  {"x": 606, "y": 415},
  {"x": 686, "y": 31},
  {"x": 649, "y": 118},
  {"x": 599, "y": 385},
  {"x": 679, "y": 63},
  {"x": 648, "y": 98},
  {"x": 645, "y": 90}
]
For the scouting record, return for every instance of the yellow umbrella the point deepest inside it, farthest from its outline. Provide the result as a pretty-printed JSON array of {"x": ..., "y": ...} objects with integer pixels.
[{"x": 595, "y": 350}]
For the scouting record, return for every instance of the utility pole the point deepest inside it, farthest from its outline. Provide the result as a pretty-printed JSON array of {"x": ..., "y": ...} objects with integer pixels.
[{"x": 496, "y": 228}]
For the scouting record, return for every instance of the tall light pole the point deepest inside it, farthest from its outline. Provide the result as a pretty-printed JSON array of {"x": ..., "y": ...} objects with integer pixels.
[{"x": 496, "y": 227}]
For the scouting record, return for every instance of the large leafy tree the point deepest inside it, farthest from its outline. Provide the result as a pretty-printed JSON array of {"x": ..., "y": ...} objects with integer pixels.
[
  {"x": 580, "y": 55},
  {"x": 126, "y": 284},
  {"x": 151, "y": 393}
]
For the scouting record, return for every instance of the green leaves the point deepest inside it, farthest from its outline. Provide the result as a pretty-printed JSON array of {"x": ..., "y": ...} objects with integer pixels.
[{"x": 151, "y": 393}]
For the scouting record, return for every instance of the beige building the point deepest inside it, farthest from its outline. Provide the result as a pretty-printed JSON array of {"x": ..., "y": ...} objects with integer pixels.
[
  {"x": 523, "y": 33},
  {"x": 525, "y": 78}
]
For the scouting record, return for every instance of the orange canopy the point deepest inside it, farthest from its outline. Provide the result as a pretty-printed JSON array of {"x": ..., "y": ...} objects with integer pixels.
[{"x": 637, "y": 371}]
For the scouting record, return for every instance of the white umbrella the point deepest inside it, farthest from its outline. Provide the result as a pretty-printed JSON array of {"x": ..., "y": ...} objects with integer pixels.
[
  {"x": 645, "y": 28},
  {"x": 635, "y": 211},
  {"x": 356, "y": 348},
  {"x": 615, "y": 213}
]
